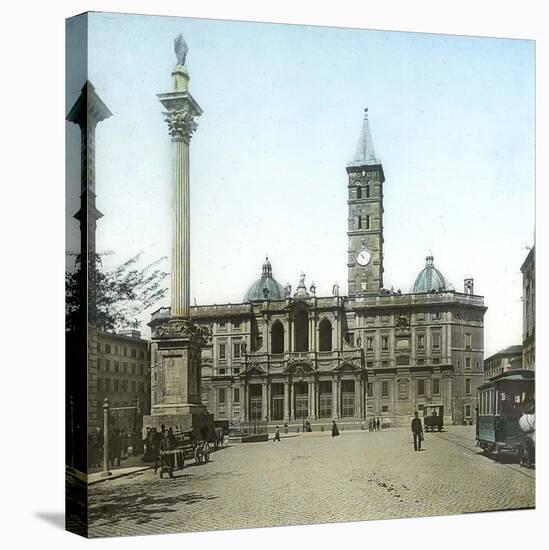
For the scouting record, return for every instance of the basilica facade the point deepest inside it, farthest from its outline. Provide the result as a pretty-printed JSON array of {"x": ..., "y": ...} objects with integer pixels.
[{"x": 284, "y": 356}]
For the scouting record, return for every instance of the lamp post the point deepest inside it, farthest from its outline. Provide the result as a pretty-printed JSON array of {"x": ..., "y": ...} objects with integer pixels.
[{"x": 106, "y": 407}]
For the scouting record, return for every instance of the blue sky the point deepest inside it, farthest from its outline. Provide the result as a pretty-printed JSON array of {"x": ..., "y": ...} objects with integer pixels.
[{"x": 452, "y": 120}]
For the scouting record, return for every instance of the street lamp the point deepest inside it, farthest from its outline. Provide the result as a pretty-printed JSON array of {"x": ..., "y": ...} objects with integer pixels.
[{"x": 106, "y": 407}]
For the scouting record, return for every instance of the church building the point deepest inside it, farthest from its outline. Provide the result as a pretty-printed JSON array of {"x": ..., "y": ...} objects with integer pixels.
[{"x": 283, "y": 356}]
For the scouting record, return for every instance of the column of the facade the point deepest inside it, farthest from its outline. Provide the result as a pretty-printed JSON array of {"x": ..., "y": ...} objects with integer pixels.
[
  {"x": 291, "y": 413},
  {"x": 358, "y": 397},
  {"x": 286, "y": 325},
  {"x": 286, "y": 401},
  {"x": 264, "y": 401},
  {"x": 310, "y": 398},
  {"x": 335, "y": 398},
  {"x": 244, "y": 401}
]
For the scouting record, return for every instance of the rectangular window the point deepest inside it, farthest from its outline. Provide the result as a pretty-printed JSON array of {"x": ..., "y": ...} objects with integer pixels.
[
  {"x": 436, "y": 386},
  {"x": 384, "y": 408},
  {"x": 124, "y": 385},
  {"x": 385, "y": 342},
  {"x": 141, "y": 387},
  {"x": 125, "y": 368},
  {"x": 367, "y": 221},
  {"x": 221, "y": 396},
  {"x": 385, "y": 364},
  {"x": 107, "y": 348},
  {"x": 351, "y": 339},
  {"x": 421, "y": 387},
  {"x": 435, "y": 339},
  {"x": 236, "y": 395},
  {"x": 467, "y": 386},
  {"x": 236, "y": 325},
  {"x": 421, "y": 361},
  {"x": 370, "y": 319},
  {"x": 221, "y": 325},
  {"x": 367, "y": 191},
  {"x": 467, "y": 411},
  {"x": 348, "y": 398},
  {"x": 468, "y": 340},
  {"x": 221, "y": 351},
  {"x": 221, "y": 371},
  {"x": 370, "y": 389},
  {"x": 359, "y": 222},
  {"x": 385, "y": 389},
  {"x": 420, "y": 341},
  {"x": 421, "y": 316},
  {"x": 141, "y": 354},
  {"x": 435, "y": 316},
  {"x": 236, "y": 370},
  {"x": 107, "y": 365},
  {"x": 116, "y": 367},
  {"x": 133, "y": 368},
  {"x": 385, "y": 318},
  {"x": 134, "y": 386},
  {"x": 116, "y": 385},
  {"x": 369, "y": 343},
  {"x": 370, "y": 365},
  {"x": 467, "y": 362},
  {"x": 116, "y": 350},
  {"x": 134, "y": 353},
  {"x": 107, "y": 384},
  {"x": 98, "y": 347},
  {"x": 236, "y": 350},
  {"x": 99, "y": 384}
]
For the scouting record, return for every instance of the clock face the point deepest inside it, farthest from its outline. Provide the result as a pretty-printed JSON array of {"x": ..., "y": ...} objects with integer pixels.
[{"x": 363, "y": 258}]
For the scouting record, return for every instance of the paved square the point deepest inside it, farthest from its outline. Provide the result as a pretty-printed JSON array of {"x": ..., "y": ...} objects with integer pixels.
[{"x": 313, "y": 478}]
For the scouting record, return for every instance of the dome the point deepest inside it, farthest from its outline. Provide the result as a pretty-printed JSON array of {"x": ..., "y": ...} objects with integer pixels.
[
  {"x": 257, "y": 292},
  {"x": 430, "y": 279}
]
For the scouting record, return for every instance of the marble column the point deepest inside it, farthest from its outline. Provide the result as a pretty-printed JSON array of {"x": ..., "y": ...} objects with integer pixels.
[{"x": 180, "y": 114}]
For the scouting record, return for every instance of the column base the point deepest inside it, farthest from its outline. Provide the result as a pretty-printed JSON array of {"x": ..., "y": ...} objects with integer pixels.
[{"x": 181, "y": 417}]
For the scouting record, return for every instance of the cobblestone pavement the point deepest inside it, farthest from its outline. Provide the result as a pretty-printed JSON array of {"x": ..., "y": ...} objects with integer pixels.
[{"x": 315, "y": 479}]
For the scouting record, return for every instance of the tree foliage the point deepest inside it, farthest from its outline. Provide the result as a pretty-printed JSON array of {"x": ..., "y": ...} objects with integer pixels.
[{"x": 115, "y": 297}]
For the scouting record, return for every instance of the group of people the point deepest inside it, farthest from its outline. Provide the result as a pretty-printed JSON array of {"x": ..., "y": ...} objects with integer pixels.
[
  {"x": 120, "y": 442},
  {"x": 374, "y": 425}
]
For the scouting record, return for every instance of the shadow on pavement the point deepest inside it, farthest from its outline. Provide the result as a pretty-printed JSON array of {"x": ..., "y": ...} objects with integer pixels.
[{"x": 136, "y": 504}]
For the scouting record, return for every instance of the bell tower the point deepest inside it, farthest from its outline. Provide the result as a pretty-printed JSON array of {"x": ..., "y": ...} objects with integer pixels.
[{"x": 365, "y": 221}]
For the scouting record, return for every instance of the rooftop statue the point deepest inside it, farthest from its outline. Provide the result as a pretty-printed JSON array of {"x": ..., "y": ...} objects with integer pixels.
[{"x": 181, "y": 49}]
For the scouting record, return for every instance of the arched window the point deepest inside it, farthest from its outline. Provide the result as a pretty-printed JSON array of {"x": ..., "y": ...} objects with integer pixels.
[
  {"x": 301, "y": 330},
  {"x": 367, "y": 221},
  {"x": 277, "y": 338},
  {"x": 325, "y": 335},
  {"x": 358, "y": 191},
  {"x": 359, "y": 222}
]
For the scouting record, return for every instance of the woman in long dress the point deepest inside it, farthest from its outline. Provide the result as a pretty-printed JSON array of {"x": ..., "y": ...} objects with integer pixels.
[{"x": 335, "y": 431}]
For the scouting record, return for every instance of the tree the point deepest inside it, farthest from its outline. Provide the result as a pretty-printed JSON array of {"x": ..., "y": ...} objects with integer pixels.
[{"x": 115, "y": 297}]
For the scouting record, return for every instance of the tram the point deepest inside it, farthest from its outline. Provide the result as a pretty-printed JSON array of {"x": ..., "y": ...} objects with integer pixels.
[{"x": 506, "y": 416}]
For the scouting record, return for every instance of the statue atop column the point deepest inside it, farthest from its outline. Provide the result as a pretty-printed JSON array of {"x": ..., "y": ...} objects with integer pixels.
[{"x": 180, "y": 47}]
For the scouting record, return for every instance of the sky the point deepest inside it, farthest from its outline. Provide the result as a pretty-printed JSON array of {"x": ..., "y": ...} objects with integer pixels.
[{"x": 452, "y": 120}]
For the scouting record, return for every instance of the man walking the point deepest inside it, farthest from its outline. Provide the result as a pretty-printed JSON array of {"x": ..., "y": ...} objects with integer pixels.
[
  {"x": 417, "y": 431},
  {"x": 277, "y": 435}
]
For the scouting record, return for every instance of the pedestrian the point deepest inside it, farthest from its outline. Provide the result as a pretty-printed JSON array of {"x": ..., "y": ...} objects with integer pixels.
[
  {"x": 285, "y": 427},
  {"x": 156, "y": 439},
  {"x": 378, "y": 425},
  {"x": 417, "y": 431},
  {"x": 204, "y": 432},
  {"x": 166, "y": 460},
  {"x": 363, "y": 425},
  {"x": 335, "y": 431},
  {"x": 277, "y": 435}
]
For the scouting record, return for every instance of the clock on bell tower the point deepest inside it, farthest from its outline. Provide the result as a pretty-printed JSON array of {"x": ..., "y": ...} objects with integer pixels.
[{"x": 365, "y": 207}]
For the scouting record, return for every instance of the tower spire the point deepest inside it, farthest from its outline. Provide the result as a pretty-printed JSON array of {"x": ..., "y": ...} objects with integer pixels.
[{"x": 364, "y": 154}]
